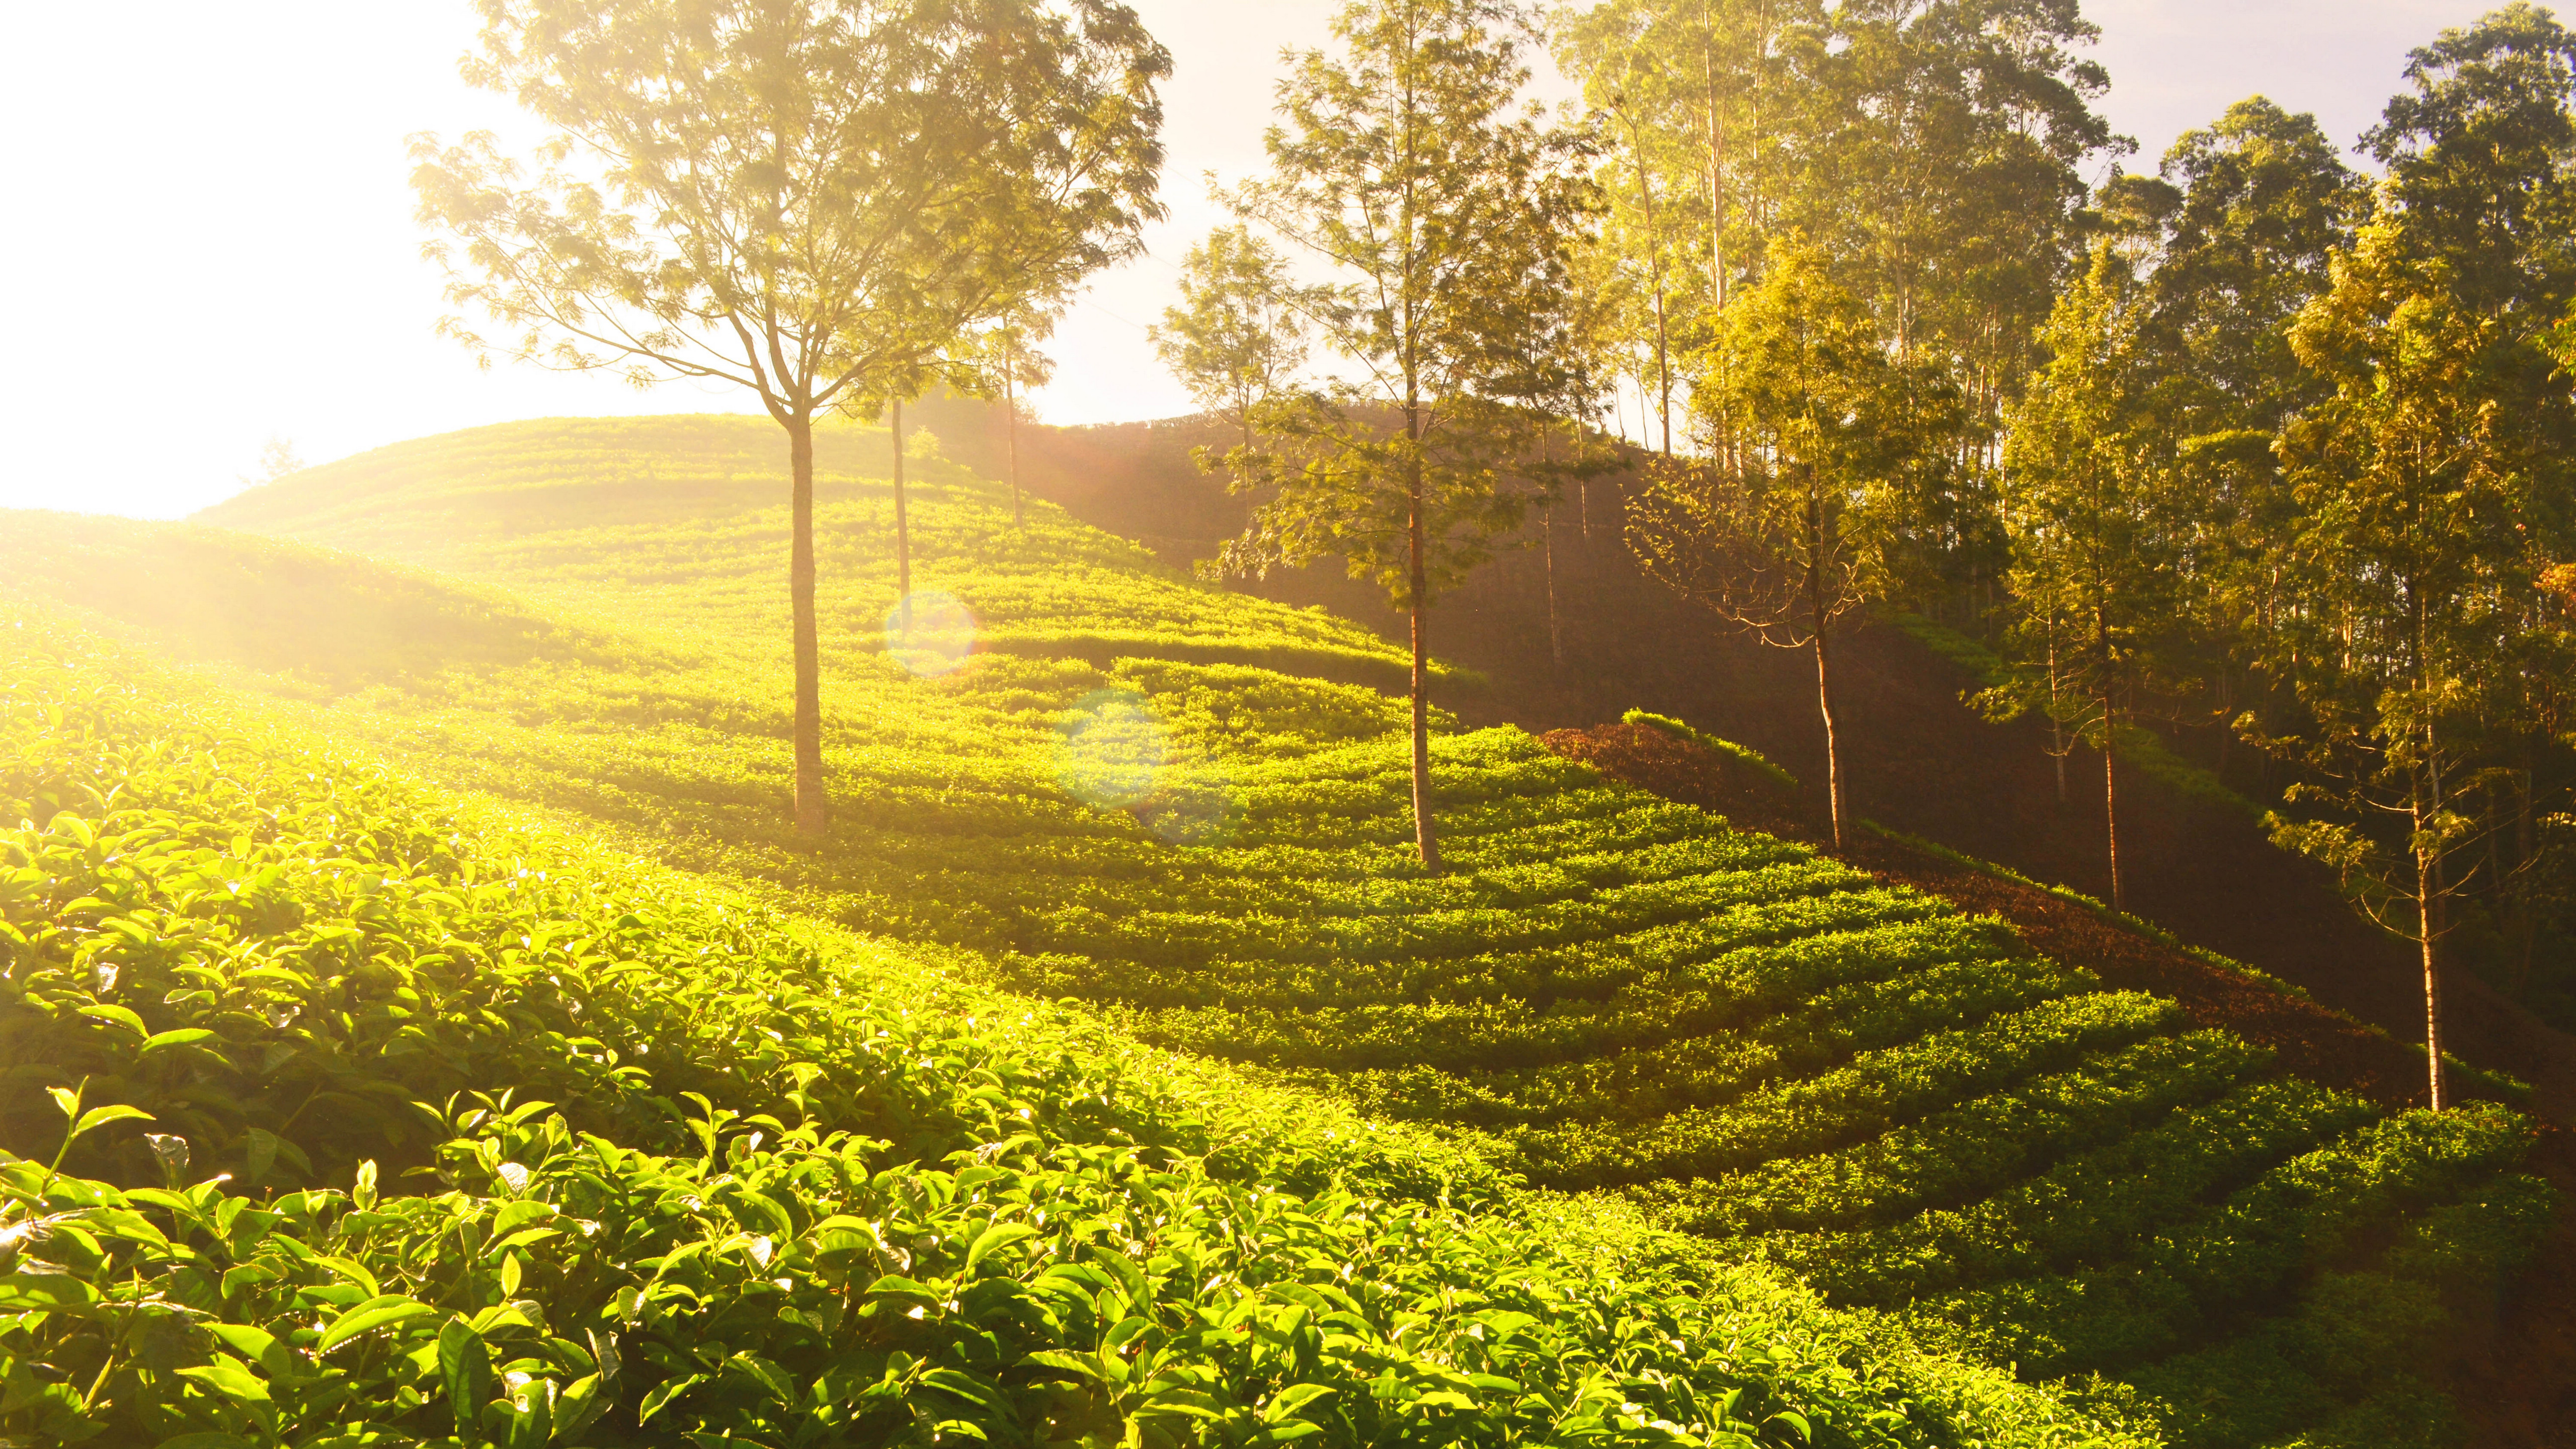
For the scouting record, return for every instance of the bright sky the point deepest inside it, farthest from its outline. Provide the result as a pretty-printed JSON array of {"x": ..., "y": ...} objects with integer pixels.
[{"x": 214, "y": 242}]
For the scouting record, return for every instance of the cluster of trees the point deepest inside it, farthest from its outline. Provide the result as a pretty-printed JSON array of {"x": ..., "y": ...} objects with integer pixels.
[
  {"x": 2300, "y": 461},
  {"x": 2256, "y": 441},
  {"x": 2256, "y": 438}
]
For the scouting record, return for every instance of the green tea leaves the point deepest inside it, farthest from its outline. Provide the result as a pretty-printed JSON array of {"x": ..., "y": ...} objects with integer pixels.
[{"x": 375, "y": 1313}]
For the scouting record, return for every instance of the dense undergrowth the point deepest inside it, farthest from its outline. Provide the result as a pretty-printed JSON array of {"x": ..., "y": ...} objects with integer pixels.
[
  {"x": 745, "y": 1183},
  {"x": 1607, "y": 992}
]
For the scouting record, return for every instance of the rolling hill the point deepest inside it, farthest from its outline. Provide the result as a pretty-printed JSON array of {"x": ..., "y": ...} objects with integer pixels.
[{"x": 1180, "y": 811}]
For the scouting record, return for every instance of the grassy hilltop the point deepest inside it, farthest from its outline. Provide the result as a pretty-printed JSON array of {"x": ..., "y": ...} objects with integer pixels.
[{"x": 1183, "y": 809}]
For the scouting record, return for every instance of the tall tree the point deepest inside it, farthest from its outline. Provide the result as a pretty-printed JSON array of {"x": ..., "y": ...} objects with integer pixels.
[
  {"x": 2481, "y": 156},
  {"x": 2266, "y": 202},
  {"x": 1406, "y": 165},
  {"x": 1240, "y": 332},
  {"x": 798, "y": 197},
  {"x": 2093, "y": 517},
  {"x": 2406, "y": 548},
  {"x": 1012, "y": 365},
  {"x": 2420, "y": 637},
  {"x": 1802, "y": 521}
]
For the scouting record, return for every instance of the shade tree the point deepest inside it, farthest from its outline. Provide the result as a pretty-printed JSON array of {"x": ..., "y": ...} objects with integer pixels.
[
  {"x": 1439, "y": 208},
  {"x": 802, "y": 198},
  {"x": 2097, "y": 528},
  {"x": 1242, "y": 328},
  {"x": 1803, "y": 518}
]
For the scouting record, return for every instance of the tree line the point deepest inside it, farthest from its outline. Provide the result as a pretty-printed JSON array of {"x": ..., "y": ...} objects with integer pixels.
[{"x": 2256, "y": 441}]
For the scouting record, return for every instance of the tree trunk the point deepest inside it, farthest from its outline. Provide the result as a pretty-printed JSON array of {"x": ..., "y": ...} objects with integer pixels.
[
  {"x": 2056, "y": 727},
  {"x": 1547, "y": 537},
  {"x": 1425, "y": 842},
  {"x": 902, "y": 536},
  {"x": 1816, "y": 621},
  {"x": 1663, "y": 354},
  {"x": 2427, "y": 907},
  {"x": 813, "y": 807},
  {"x": 2526, "y": 917},
  {"x": 1833, "y": 754},
  {"x": 1011, "y": 423},
  {"x": 2111, "y": 797}
]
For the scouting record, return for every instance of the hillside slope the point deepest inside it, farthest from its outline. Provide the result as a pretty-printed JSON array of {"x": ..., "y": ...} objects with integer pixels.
[
  {"x": 1566, "y": 633},
  {"x": 463, "y": 1131},
  {"x": 1761, "y": 1046}
]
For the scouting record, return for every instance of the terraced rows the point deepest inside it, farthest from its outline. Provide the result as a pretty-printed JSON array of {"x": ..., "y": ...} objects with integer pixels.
[
  {"x": 338, "y": 1111},
  {"x": 1607, "y": 992}
]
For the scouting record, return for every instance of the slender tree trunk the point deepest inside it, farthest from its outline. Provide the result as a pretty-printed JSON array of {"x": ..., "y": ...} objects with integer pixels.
[
  {"x": 2425, "y": 802},
  {"x": 1716, "y": 159},
  {"x": 2427, "y": 908},
  {"x": 1833, "y": 752},
  {"x": 1425, "y": 841},
  {"x": 1663, "y": 353},
  {"x": 2110, "y": 740},
  {"x": 813, "y": 806},
  {"x": 1816, "y": 620},
  {"x": 2111, "y": 797},
  {"x": 1547, "y": 538},
  {"x": 2523, "y": 843},
  {"x": 2056, "y": 726},
  {"x": 902, "y": 536},
  {"x": 1011, "y": 423},
  {"x": 1663, "y": 368}
]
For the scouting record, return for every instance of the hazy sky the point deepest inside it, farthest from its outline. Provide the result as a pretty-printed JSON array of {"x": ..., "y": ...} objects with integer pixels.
[{"x": 212, "y": 240}]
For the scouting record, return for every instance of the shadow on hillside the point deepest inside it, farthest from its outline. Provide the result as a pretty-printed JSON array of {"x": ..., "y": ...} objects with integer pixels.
[{"x": 1918, "y": 759}]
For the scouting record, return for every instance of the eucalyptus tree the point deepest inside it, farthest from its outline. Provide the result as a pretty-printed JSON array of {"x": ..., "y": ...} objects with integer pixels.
[
  {"x": 2266, "y": 202},
  {"x": 1708, "y": 103},
  {"x": 803, "y": 198},
  {"x": 2095, "y": 522},
  {"x": 1805, "y": 519},
  {"x": 2481, "y": 157},
  {"x": 1405, "y": 166},
  {"x": 2419, "y": 651},
  {"x": 2407, "y": 558},
  {"x": 1934, "y": 150}
]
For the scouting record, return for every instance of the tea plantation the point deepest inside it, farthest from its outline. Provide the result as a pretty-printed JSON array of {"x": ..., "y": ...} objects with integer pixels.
[
  {"x": 749, "y": 1182},
  {"x": 1178, "y": 815}
]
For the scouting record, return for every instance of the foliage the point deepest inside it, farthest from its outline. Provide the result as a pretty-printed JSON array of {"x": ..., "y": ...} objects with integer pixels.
[
  {"x": 1239, "y": 333},
  {"x": 797, "y": 1189},
  {"x": 1604, "y": 988},
  {"x": 812, "y": 201}
]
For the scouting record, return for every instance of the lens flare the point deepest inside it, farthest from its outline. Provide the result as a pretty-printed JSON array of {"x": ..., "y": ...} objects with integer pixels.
[
  {"x": 930, "y": 634},
  {"x": 1114, "y": 753},
  {"x": 1111, "y": 752}
]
